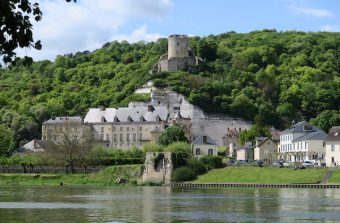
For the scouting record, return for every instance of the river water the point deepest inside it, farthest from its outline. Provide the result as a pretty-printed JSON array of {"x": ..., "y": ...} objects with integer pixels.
[{"x": 165, "y": 204}]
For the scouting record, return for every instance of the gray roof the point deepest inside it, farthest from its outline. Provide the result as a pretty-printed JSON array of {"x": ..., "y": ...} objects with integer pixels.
[
  {"x": 246, "y": 146},
  {"x": 320, "y": 135},
  {"x": 301, "y": 127},
  {"x": 199, "y": 141},
  {"x": 127, "y": 114},
  {"x": 334, "y": 134},
  {"x": 62, "y": 120}
]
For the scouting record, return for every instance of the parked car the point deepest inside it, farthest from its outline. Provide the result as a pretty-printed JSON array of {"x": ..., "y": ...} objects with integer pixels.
[{"x": 307, "y": 164}]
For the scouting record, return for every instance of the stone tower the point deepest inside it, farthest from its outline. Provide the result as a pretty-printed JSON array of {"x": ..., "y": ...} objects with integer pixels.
[
  {"x": 179, "y": 56},
  {"x": 178, "y": 46}
]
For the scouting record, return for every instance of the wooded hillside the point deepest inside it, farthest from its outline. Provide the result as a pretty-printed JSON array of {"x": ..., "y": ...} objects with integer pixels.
[{"x": 266, "y": 76}]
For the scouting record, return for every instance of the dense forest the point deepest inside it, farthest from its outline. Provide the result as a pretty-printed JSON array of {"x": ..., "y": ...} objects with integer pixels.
[{"x": 266, "y": 76}]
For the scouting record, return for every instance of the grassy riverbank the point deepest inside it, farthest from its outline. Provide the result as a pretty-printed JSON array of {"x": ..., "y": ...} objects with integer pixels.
[
  {"x": 262, "y": 175},
  {"x": 335, "y": 178},
  {"x": 105, "y": 177}
]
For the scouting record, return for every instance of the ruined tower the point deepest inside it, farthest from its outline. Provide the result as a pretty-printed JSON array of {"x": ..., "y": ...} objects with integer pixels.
[{"x": 179, "y": 56}]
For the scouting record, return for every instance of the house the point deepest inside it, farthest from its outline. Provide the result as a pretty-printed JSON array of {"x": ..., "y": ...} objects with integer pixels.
[
  {"x": 246, "y": 152},
  {"x": 204, "y": 145},
  {"x": 302, "y": 141},
  {"x": 332, "y": 143},
  {"x": 265, "y": 148},
  {"x": 35, "y": 146}
]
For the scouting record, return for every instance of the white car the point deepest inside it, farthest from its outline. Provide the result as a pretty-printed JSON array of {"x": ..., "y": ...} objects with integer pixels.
[{"x": 307, "y": 164}]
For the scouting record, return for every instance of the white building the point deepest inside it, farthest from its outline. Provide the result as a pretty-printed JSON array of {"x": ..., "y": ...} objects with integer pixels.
[
  {"x": 302, "y": 141},
  {"x": 204, "y": 146},
  {"x": 333, "y": 147},
  {"x": 246, "y": 152}
]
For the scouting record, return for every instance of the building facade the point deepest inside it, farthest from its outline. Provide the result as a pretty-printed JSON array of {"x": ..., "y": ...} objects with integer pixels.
[
  {"x": 204, "y": 146},
  {"x": 301, "y": 142},
  {"x": 265, "y": 148},
  {"x": 332, "y": 143}
]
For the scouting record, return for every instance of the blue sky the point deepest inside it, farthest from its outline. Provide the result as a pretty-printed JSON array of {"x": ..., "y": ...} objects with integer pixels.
[{"x": 88, "y": 24}]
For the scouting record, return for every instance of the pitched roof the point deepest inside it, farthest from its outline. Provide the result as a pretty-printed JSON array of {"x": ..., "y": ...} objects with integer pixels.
[
  {"x": 320, "y": 135},
  {"x": 126, "y": 114},
  {"x": 246, "y": 146},
  {"x": 301, "y": 127},
  {"x": 199, "y": 141},
  {"x": 334, "y": 134},
  {"x": 66, "y": 119}
]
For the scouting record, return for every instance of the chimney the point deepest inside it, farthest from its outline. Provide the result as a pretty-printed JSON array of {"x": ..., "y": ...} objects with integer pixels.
[{"x": 150, "y": 108}]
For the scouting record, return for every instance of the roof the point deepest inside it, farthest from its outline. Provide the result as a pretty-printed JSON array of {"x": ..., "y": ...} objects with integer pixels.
[
  {"x": 320, "y": 135},
  {"x": 36, "y": 146},
  {"x": 66, "y": 119},
  {"x": 334, "y": 134},
  {"x": 246, "y": 146},
  {"x": 127, "y": 114},
  {"x": 199, "y": 141},
  {"x": 301, "y": 127}
]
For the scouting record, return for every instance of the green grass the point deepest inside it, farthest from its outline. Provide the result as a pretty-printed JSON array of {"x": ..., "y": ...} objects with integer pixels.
[
  {"x": 335, "y": 178},
  {"x": 105, "y": 177},
  {"x": 262, "y": 175}
]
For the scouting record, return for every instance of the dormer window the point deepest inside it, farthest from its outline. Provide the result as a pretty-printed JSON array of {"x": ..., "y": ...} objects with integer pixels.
[
  {"x": 142, "y": 119},
  {"x": 103, "y": 119},
  {"x": 158, "y": 119},
  {"x": 129, "y": 119},
  {"x": 116, "y": 119}
]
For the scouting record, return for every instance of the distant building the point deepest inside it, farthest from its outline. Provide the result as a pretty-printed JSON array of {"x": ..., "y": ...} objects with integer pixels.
[
  {"x": 265, "y": 148},
  {"x": 332, "y": 142},
  {"x": 127, "y": 127},
  {"x": 35, "y": 146},
  {"x": 302, "y": 141},
  {"x": 179, "y": 55},
  {"x": 246, "y": 152},
  {"x": 204, "y": 146}
]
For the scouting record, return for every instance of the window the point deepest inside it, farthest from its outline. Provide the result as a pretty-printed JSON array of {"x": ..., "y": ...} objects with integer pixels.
[
  {"x": 102, "y": 136},
  {"x": 210, "y": 152},
  {"x": 332, "y": 148},
  {"x": 107, "y": 137},
  {"x": 268, "y": 143},
  {"x": 140, "y": 136},
  {"x": 198, "y": 151},
  {"x": 140, "y": 128},
  {"x": 102, "y": 129},
  {"x": 107, "y": 144},
  {"x": 128, "y": 137},
  {"x": 127, "y": 128},
  {"x": 115, "y": 137},
  {"x": 121, "y": 128},
  {"x": 114, "y": 128},
  {"x": 177, "y": 108},
  {"x": 134, "y": 137},
  {"x": 121, "y": 137}
]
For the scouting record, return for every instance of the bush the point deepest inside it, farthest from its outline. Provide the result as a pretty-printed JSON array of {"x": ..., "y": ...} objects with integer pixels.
[
  {"x": 152, "y": 147},
  {"x": 212, "y": 162},
  {"x": 183, "y": 174},
  {"x": 197, "y": 166}
]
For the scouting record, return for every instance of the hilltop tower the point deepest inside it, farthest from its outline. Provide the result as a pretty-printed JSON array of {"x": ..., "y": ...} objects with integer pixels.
[{"x": 179, "y": 56}]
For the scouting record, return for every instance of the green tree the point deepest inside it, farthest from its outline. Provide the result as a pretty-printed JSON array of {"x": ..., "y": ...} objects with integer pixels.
[
  {"x": 16, "y": 28},
  {"x": 172, "y": 134},
  {"x": 6, "y": 141},
  {"x": 326, "y": 119}
]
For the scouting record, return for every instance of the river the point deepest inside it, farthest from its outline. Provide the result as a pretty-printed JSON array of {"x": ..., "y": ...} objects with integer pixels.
[{"x": 165, "y": 204}]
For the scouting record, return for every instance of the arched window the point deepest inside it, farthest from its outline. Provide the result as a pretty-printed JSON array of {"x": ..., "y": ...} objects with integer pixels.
[
  {"x": 198, "y": 151},
  {"x": 210, "y": 152}
]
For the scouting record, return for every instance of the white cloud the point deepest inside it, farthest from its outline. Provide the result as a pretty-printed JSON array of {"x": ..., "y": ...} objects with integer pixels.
[
  {"x": 88, "y": 24},
  {"x": 138, "y": 35},
  {"x": 330, "y": 28},
  {"x": 315, "y": 12}
]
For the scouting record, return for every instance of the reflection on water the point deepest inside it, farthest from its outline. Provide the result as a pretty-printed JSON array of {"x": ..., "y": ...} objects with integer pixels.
[{"x": 164, "y": 204}]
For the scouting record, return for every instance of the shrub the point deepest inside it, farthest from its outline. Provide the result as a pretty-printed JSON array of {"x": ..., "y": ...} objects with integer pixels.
[
  {"x": 152, "y": 147},
  {"x": 197, "y": 166},
  {"x": 212, "y": 162},
  {"x": 183, "y": 174}
]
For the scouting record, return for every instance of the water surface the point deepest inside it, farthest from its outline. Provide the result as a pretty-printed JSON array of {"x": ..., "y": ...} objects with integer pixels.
[{"x": 164, "y": 204}]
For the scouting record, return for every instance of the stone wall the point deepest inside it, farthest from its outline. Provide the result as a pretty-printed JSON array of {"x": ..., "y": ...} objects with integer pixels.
[{"x": 159, "y": 172}]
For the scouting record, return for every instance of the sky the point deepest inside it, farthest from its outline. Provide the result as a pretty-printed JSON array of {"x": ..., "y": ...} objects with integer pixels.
[{"x": 89, "y": 24}]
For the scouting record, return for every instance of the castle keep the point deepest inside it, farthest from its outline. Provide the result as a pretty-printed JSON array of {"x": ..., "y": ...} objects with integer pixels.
[{"x": 179, "y": 56}]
